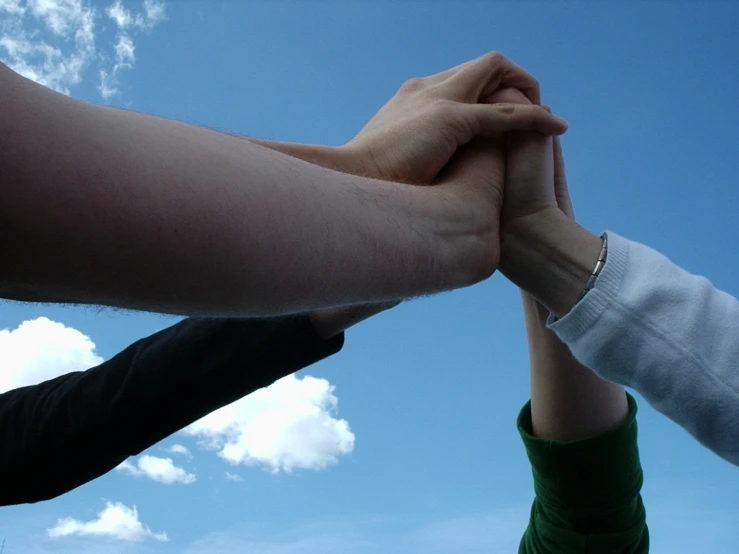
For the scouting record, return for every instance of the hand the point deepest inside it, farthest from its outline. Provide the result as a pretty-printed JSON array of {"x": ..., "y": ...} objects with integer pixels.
[
  {"x": 417, "y": 133},
  {"x": 536, "y": 176},
  {"x": 467, "y": 204},
  {"x": 564, "y": 203},
  {"x": 543, "y": 250},
  {"x": 419, "y": 130}
]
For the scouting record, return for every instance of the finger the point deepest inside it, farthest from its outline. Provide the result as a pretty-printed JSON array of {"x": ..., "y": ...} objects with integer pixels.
[
  {"x": 417, "y": 83},
  {"x": 506, "y": 96},
  {"x": 483, "y": 76},
  {"x": 446, "y": 74},
  {"x": 501, "y": 118},
  {"x": 561, "y": 190},
  {"x": 529, "y": 174}
]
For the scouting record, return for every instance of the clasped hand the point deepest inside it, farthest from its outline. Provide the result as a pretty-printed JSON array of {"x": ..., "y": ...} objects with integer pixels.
[{"x": 478, "y": 146}]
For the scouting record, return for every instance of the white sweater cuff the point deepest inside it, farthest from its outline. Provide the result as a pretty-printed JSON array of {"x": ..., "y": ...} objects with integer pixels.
[{"x": 607, "y": 286}]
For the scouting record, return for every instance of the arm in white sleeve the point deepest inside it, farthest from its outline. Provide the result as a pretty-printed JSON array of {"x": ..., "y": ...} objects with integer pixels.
[{"x": 670, "y": 335}]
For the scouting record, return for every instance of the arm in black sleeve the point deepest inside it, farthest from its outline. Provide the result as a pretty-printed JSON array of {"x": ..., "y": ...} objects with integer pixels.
[{"x": 72, "y": 429}]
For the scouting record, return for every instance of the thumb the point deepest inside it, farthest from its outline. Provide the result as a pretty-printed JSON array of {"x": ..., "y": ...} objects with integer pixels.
[
  {"x": 529, "y": 163},
  {"x": 529, "y": 173},
  {"x": 506, "y": 96}
]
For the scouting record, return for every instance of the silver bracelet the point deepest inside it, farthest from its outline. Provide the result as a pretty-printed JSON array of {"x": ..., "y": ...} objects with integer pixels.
[{"x": 598, "y": 267}]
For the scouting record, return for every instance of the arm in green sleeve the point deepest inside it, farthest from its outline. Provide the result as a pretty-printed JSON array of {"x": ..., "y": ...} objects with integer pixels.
[{"x": 588, "y": 497}]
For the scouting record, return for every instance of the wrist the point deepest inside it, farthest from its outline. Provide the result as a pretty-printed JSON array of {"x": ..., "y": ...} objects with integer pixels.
[{"x": 550, "y": 256}]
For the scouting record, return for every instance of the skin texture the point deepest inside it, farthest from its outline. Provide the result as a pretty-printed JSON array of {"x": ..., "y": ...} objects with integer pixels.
[
  {"x": 568, "y": 401},
  {"x": 104, "y": 206}
]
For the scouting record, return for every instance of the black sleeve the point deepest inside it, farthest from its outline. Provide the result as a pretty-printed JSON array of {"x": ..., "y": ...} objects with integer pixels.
[{"x": 72, "y": 429}]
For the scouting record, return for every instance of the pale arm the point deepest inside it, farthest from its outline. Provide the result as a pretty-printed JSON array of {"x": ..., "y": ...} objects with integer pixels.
[
  {"x": 568, "y": 401},
  {"x": 105, "y": 206},
  {"x": 581, "y": 439}
]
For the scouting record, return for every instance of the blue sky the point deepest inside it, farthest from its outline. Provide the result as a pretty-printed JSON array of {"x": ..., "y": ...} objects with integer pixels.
[{"x": 422, "y": 455}]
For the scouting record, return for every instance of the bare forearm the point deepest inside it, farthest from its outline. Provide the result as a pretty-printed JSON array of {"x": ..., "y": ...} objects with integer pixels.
[
  {"x": 568, "y": 401},
  {"x": 111, "y": 207},
  {"x": 338, "y": 158},
  {"x": 331, "y": 322}
]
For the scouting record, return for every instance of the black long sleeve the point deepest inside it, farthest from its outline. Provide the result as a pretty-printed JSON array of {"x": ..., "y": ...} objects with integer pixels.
[{"x": 67, "y": 431}]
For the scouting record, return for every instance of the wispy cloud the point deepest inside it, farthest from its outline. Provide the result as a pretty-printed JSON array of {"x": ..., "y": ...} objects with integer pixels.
[
  {"x": 116, "y": 521},
  {"x": 128, "y": 23},
  {"x": 180, "y": 450},
  {"x": 682, "y": 529},
  {"x": 54, "y": 42},
  {"x": 233, "y": 477},
  {"x": 497, "y": 531},
  {"x": 288, "y": 425},
  {"x": 161, "y": 470}
]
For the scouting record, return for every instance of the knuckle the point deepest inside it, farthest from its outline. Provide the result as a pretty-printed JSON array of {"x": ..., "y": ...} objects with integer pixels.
[
  {"x": 494, "y": 58},
  {"x": 412, "y": 85},
  {"x": 507, "y": 108},
  {"x": 443, "y": 107}
]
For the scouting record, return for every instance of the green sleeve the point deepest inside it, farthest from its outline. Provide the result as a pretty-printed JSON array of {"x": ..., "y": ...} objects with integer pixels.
[{"x": 587, "y": 492}]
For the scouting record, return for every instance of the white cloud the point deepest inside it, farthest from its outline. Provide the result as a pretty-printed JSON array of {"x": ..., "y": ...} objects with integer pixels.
[
  {"x": 116, "y": 521},
  {"x": 233, "y": 477},
  {"x": 120, "y": 15},
  {"x": 53, "y": 42},
  {"x": 125, "y": 52},
  {"x": 288, "y": 425},
  {"x": 127, "y": 22},
  {"x": 49, "y": 41},
  {"x": 154, "y": 12},
  {"x": 179, "y": 449},
  {"x": 12, "y": 7},
  {"x": 161, "y": 470},
  {"x": 41, "y": 349}
]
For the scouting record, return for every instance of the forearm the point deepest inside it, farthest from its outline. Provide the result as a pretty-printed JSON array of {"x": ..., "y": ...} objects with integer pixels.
[
  {"x": 338, "y": 158},
  {"x": 568, "y": 401},
  {"x": 112, "y": 207},
  {"x": 587, "y": 492},
  {"x": 672, "y": 336},
  {"x": 329, "y": 323}
]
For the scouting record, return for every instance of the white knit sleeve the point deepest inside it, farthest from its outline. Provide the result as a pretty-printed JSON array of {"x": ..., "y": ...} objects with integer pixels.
[{"x": 670, "y": 335}]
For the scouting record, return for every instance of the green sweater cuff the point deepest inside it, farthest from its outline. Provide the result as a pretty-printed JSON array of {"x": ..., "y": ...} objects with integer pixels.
[{"x": 598, "y": 473}]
